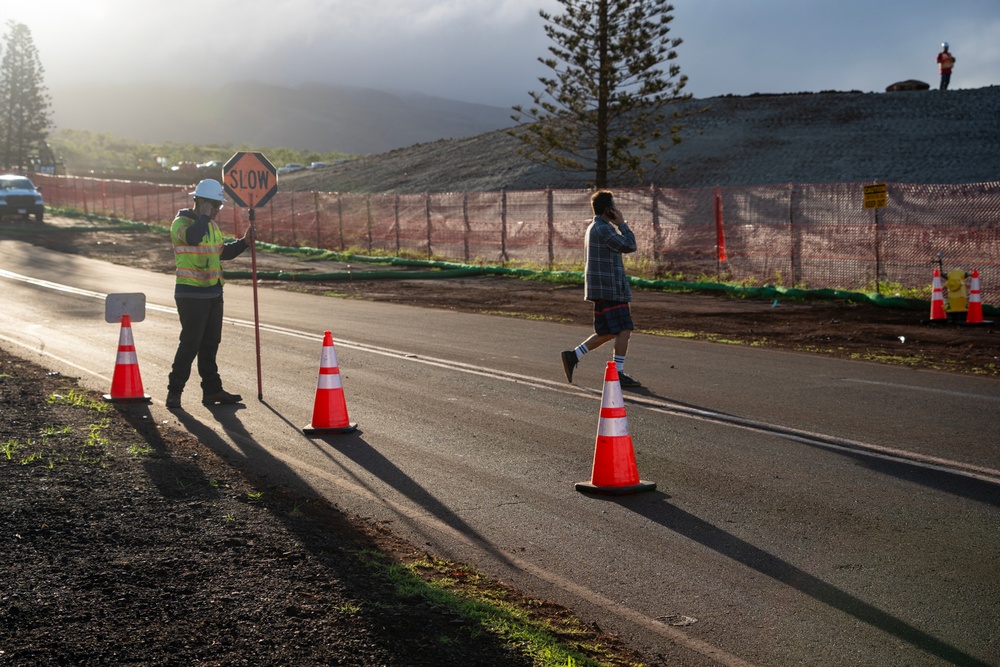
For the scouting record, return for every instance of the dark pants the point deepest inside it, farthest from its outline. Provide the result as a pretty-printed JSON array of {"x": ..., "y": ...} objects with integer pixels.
[
  {"x": 945, "y": 80},
  {"x": 201, "y": 333}
]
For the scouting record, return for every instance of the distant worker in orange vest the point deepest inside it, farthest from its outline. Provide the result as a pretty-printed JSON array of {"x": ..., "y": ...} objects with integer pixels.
[{"x": 945, "y": 61}]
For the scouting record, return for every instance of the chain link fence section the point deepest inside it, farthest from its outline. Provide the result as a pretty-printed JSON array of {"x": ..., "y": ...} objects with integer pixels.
[{"x": 811, "y": 236}]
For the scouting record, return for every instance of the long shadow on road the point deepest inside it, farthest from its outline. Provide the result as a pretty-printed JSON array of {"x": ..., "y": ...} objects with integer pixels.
[
  {"x": 256, "y": 460},
  {"x": 354, "y": 447},
  {"x": 656, "y": 509}
]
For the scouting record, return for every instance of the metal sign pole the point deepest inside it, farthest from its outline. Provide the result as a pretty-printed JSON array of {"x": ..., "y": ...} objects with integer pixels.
[
  {"x": 256, "y": 311},
  {"x": 251, "y": 180}
]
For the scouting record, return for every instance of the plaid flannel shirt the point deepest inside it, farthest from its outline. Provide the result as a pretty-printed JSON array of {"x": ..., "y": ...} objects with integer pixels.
[{"x": 604, "y": 278}]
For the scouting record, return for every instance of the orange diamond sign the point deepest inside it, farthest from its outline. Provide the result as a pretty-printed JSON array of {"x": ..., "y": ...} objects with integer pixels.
[{"x": 250, "y": 179}]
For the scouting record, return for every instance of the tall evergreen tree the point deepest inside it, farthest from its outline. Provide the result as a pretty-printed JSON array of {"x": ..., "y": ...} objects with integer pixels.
[
  {"x": 604, "y": 109},
  {"x": 24, "y": 103}
]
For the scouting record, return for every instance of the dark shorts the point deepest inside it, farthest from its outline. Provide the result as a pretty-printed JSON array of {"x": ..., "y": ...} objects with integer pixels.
[{"x": 612, "y": 317}]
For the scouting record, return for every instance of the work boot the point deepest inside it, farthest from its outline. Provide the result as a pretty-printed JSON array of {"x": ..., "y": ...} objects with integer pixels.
[
  {"x": 221, "y": 396},
  {"x": 569, "y": 362},
  {"x": 173, "y": 400}
]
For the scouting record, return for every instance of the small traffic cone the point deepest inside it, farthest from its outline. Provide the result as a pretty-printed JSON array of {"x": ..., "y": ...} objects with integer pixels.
[
  {"x": 614, "y": 470},
  {"x": 329, "y": 408},
  {"x": 126, "y": 384},
  {"x": 975, "y": 313},
  {"x": 937, "y": 300}
]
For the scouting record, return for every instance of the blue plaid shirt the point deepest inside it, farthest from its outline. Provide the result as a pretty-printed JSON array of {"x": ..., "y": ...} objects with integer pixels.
[{"x": 604, "y": 278}]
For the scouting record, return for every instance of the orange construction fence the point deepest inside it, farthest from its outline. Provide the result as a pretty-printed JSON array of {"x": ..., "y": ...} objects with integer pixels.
[{"x": 805, "y": 235}]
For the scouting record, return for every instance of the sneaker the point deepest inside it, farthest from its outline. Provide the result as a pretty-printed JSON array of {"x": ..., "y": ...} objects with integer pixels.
[
  {"x": 626, "y": 380},
  {"x": 173, "y": 400},
  {"x": 221, "y": 396},
  {"x": 569, "y": 362}
]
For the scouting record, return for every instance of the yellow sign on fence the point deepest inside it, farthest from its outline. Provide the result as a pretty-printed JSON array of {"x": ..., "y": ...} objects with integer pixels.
[{"x": 875, "y": 195}]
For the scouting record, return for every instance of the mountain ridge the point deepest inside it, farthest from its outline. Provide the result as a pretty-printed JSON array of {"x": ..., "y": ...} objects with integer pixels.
[
  {"x": 413, "y": 143},
  {"x": 315, "y": 117}
]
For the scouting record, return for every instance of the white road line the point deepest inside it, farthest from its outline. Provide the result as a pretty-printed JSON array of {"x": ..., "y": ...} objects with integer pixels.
[{"x": 910, "y": 387}]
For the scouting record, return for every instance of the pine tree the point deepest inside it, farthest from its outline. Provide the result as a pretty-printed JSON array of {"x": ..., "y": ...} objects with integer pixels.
[
  {"x": 604, "y": 109},
  {"x": 24, "y": 104}
]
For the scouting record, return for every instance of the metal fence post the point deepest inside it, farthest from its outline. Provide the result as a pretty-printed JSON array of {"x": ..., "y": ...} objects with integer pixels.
[
  {"x": 467, "y": 226},
  {"x": 551, "y": 227},
  {"x": 503, "y": 224},
  {"x": 878, "y": 255},
  {"x": 720, "y": 236},
  {"x": 427, "y": 210},
  {"x": 368, "y": 207},
  {"x": 793, "y": 239},
  {"x": 340, "y": 219},
  {"x": 396, "y": 225},
  {"x": 657, "y": 232},
  {"x": 319, "y": 237},
  {"x": 270, "y": 217}
]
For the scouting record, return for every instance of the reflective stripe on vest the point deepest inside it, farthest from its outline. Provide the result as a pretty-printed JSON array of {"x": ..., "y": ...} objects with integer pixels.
[{"x": 198, "y": 265}]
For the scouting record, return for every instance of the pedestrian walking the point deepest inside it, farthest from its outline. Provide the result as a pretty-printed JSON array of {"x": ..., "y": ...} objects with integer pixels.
[
  {"x": 605, "y": 284},
  {"x": 946, "y": 61},
  {"x": 199, "y": 251}
]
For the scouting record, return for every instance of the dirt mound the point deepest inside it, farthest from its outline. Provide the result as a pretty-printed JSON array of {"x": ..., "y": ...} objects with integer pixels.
[{"x": 828, "y": 137}]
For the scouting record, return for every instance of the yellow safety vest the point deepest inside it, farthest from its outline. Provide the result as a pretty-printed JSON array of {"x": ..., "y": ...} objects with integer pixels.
[{"x": 197, "y": 265}]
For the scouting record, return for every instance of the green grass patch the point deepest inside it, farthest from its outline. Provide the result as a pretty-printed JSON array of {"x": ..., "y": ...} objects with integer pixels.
[
  {"x": 60, "y": 443},
  {"x": 526, "y": 316},
  {"x": 551, "y": 640}
]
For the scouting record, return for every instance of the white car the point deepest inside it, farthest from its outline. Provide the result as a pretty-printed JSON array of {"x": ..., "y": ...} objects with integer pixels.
[
  {"x": 19, "y": 197},
  {"x": 316, "y": 165},
  {"x": 289, "y": 168}
]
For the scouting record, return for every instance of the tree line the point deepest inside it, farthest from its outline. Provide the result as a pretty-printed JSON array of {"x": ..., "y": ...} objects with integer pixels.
[
  {"x": 84, "y": 152},
  {"x": 604, "y": 110}
]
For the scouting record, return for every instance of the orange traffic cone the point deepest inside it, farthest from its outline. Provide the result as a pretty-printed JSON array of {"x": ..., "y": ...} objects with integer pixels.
[
  {"x": 937, "y": 299},
  {"x": 126, "y": 384},
  {"x": 614, "y": 459},
  {"x": 975, "y": 313},
  {"x": 330, "y": 408}
]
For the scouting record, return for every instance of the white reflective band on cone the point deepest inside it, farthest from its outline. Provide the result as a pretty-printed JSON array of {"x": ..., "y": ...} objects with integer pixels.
[
  {"x": 613, "y": 427},
  {"x": 127, "y": 359},
  {"x": 329, "y": 381},
  {"x": 329, "y": 357}
]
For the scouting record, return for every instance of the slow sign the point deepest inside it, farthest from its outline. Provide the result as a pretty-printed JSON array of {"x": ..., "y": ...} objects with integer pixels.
[{"x": 250, "y": 179}]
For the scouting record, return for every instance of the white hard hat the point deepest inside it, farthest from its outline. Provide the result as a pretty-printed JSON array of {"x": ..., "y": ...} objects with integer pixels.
[
  {"x": 209, "y": 189},
  {"x": 944, "y": 45}
]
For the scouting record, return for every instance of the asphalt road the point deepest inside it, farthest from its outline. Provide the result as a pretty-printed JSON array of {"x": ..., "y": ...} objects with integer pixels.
[{"x": 808, "y": 511}]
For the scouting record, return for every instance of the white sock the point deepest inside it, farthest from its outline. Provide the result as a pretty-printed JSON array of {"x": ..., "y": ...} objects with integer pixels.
[
  {"x": 580, "y": 351},
  {"x": 619, "y": 362}
]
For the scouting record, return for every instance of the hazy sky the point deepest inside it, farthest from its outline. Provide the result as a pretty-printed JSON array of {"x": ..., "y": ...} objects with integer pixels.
[{"x": 486, "y": 51}]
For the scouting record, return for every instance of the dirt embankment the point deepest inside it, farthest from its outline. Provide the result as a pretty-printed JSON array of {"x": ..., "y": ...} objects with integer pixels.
[{"x": 828, "y": 137}]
